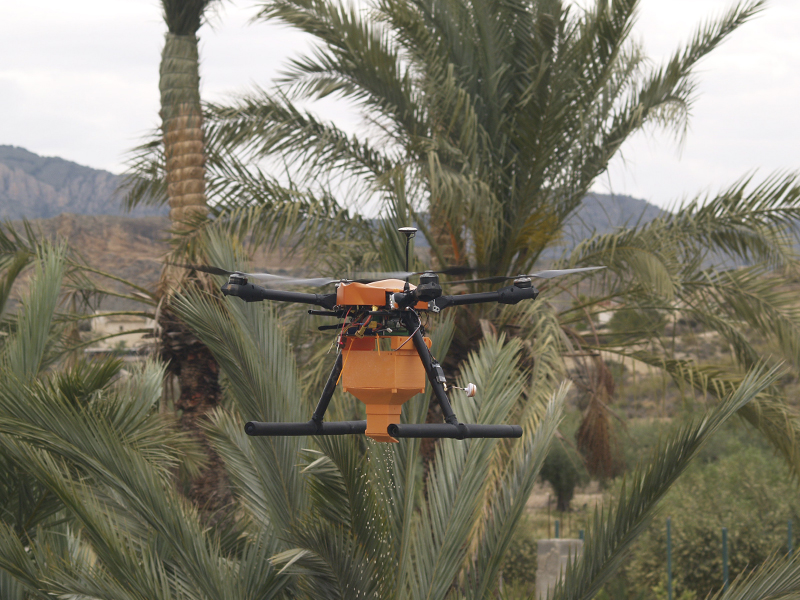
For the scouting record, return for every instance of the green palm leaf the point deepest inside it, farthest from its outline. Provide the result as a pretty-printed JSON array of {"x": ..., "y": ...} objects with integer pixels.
[
  {"x": 776, "y": 578},
  {"x": 508, "y": 500}
]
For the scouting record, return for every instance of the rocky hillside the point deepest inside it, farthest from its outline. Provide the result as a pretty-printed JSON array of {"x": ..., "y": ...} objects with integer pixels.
[
  {"x": 127, "y": 247},
  {"x": 38, "y": 187},
  {"x": 131, "y": 248}
]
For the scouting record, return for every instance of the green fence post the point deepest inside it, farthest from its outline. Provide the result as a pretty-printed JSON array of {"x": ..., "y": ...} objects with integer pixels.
[
  {"x": 558, "y": 528},
  {"x": 582, "y": 535},
  {"x": 725, "y": 558},
  {"x": 789, "y": 538},
  {"x": 669, "y": 558}
]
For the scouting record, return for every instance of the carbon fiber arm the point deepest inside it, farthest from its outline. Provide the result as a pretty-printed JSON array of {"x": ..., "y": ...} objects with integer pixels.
[
  {"x": 507, "y": 295},
  {"x": 256, "y": 293}
]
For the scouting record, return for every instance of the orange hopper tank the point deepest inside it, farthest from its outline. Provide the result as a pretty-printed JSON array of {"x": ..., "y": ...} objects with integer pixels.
[{"x": 383, "y": 379}]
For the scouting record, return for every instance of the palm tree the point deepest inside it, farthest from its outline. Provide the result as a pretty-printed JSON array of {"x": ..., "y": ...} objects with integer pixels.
[
  {"x": 491, "y": 120},
  {"x": 664, "y": 270},
  {"x": 184, "y": 169},
  {"x": 316, "y": 518},
  {"x": 171, "y": 169},
  {"x": 490, "y": 123}
]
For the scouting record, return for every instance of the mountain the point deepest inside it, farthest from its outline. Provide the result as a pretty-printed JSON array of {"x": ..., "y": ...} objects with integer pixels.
[
  {"x": 39, "y": 187},
  {"x": 604, "y": 213}
]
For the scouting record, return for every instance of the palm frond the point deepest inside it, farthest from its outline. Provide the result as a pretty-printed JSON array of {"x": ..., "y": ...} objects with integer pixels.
[
  {"x": 24, "y": 352},
  {"x": 458, "y": 476},
  {"x": 263, "y": 125},
  {"x": 337, "y": 568},
  {"x": 21, "y": 260},
  {"x": 254, "y": 356},
  {"x": 753, "y": 297},
  {"x": 144, "y": 182},
  {"x": 508, "y": 500},
  {"x": 184, "y": 17},
  {"x": 778, "y": 577},
  {"x": 672, "y": 83},
  {"x": 748, "y": 222}
]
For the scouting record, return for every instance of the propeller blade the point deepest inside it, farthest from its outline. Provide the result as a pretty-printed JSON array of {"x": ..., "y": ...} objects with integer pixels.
[
  {"x": 560, "y": 272},
  {"x": 458, "y": 270},
  {"x": 540, "y": 275},
  {"x": 206, "y": 269},
  {"x": 370, "y": 276},
  {"x": 280, "y": 281},
  {"x": 379, "y": 275},
  {"x": 496, "y": 279},
  {"x": 269, "y": 278}
]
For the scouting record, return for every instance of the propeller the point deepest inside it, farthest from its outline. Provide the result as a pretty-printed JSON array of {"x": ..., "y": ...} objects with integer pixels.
[
  {"x": 540, "y": 275},
  {"x": 269, "y": 278},
  {"x": 282, "y": 280},
  {"x": 378, "y": 275}
]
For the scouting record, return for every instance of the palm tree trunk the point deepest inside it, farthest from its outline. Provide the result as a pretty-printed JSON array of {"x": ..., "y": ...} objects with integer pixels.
[
  {"x": 182, "y": 120},
  {"x": 188, "y": 359}
]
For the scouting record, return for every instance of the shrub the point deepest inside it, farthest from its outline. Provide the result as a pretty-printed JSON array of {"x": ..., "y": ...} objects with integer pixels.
[
  {"x": 564, "y": 470},
  {"x": 747, "y": 490},
  {"x": 637, "y": 320}
]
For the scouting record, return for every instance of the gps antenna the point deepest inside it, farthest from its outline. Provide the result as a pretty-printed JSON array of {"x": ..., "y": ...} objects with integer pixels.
[{"x": 409, "y": 232}]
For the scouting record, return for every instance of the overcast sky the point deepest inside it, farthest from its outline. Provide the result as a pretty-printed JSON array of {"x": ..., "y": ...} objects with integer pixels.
[{"x": 79, "y": 80}]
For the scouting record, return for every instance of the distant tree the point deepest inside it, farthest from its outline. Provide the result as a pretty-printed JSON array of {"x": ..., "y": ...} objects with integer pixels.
[{"x": 563, "y": 469}]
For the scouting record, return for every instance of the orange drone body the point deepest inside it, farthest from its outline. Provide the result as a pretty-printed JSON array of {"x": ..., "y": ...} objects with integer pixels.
[
  {"x": 372, "y": 294},
  {"x": 376, "y": 369}
]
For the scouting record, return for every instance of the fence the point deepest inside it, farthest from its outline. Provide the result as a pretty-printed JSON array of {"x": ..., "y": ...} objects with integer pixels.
[{"x": 724, "y": 538}]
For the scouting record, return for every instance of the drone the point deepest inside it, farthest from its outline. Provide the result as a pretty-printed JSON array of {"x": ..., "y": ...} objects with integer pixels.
[{"x": 383, "y": 355}]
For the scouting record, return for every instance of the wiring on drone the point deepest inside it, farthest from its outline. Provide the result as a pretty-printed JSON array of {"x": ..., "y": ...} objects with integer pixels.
[
  {"x": 337, "y": 339},
  {"x": 341, "y": 333},
  {"x": 415, "y": 331}
]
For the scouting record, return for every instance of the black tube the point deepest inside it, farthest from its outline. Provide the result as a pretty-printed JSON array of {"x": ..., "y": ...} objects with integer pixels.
[
  {"x": 327, "y": 392},
  {"x": 462, "y": 299},
  {"x": 427, "y": 362},
  {"x": 507, "y": 295},
  {"x": 459, "y": 432},
  {"x": 326, "y": 313},
  {"x": 309, "y": 428},
  {"x": 256, "y": 293}
]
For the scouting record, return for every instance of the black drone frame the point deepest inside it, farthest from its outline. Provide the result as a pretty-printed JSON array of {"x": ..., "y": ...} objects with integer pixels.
[{"x": 451, "y": 428}]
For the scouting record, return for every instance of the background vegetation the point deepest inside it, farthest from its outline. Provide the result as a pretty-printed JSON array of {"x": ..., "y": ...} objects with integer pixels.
[{"x": 493, "y": 120}]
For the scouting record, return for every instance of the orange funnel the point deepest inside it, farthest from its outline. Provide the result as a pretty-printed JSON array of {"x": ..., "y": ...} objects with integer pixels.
[{"x": 383, "y": 376}]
